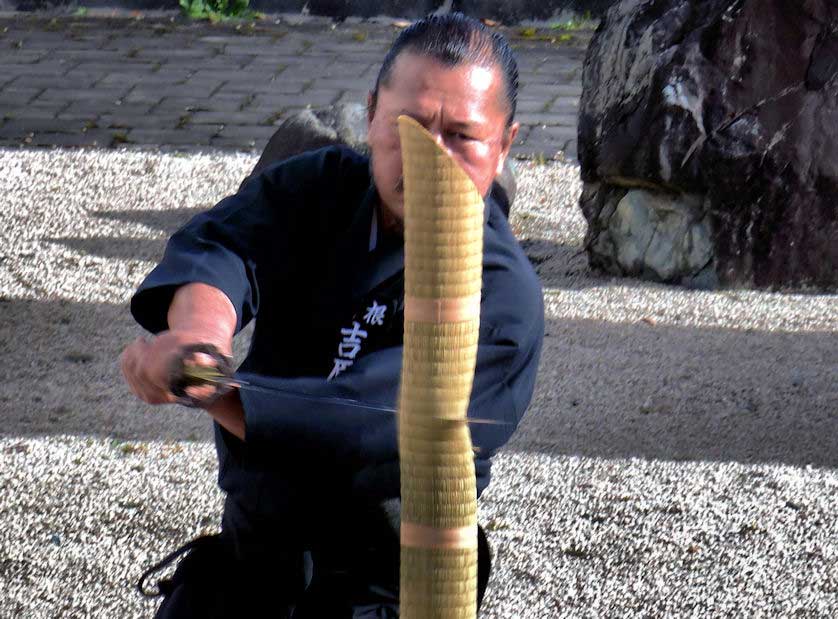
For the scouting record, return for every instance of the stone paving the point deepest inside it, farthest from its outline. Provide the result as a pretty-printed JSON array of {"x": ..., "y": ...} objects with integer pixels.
[{"x": 163, "y": 81}]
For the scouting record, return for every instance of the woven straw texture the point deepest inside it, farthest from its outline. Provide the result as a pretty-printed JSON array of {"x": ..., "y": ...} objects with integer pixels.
[
  {"x": 453, "y": 590},
  {"x": 443, "y": 261}
]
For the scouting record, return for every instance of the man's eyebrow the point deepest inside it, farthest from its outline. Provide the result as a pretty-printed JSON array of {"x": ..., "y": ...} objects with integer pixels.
[
  {"x": 461, "y": 124},
  {"x": 453, "y": 124}
]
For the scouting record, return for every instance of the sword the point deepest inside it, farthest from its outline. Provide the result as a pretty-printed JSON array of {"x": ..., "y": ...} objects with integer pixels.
[{"x": 185, "y": 375}]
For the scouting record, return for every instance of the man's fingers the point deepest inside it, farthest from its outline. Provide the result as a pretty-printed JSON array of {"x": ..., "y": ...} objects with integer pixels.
[
  {"x": 202, "y": 393},
  {"x": 146, "y": 365},
  {"x": 140, "y": 365},
  {"x": 128, "y": 365},
  {"x": 202, "y": 359}
]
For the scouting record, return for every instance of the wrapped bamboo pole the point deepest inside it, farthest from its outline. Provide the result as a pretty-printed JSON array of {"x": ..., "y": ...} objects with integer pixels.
[{"x": 443, "y": 272}]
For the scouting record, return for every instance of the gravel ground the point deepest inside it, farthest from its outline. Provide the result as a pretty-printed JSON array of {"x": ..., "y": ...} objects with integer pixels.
[{"x": 679, "y": 458}]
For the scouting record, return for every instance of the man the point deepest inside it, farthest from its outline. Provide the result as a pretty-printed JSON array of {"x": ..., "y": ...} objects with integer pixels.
[{"x": 312, "y": 248}]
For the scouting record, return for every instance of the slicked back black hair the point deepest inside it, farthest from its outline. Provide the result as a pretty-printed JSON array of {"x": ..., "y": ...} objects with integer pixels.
[{"x": 454, "y": 39}]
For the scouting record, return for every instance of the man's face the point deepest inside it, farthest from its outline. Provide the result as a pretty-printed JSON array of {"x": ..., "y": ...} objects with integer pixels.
[{"x": 463, "y": 107}]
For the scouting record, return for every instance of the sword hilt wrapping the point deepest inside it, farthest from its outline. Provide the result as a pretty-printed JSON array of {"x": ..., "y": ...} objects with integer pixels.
[{"x": 184, "y": 375}]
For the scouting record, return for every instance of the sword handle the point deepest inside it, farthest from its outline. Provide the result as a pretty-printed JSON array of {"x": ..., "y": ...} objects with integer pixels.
[{"x": 184, "y": 375}]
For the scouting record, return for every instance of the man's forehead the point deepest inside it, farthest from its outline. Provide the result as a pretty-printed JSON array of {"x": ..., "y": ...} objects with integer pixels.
[
  {"x": 471, "y": 84},
  {"x": 482, "y": 75}
]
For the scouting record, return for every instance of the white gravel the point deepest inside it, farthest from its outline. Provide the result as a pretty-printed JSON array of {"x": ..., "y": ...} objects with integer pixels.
[{"x": 679, "y": 459}]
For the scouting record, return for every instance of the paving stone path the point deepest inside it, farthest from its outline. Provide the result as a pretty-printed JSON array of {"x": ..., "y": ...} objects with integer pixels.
[{"x": 164, "y": 81}]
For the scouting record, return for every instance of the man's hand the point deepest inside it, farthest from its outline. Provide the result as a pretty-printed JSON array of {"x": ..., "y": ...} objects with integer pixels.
[
  {"x": 147, "y": 363},
  {"x": 199, "y": 314}
]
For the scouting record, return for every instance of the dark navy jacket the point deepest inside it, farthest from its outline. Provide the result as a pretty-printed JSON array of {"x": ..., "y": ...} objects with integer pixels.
[{"x": 292, "y": 250}]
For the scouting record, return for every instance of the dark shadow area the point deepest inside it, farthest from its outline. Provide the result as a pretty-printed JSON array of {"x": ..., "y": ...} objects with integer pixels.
[
  {"x": 673, "y": 393},
  {"x": 131, "y": 248},
  {"x": 112, "y": 247},
  {"x": 165, "y": 221},
  {"x": 61, "y": 375},
  {"x": 605, "y": 390},
  {"x": 560, "y": 265}
]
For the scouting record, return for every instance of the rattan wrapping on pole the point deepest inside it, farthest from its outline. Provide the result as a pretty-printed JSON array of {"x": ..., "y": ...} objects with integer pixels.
[{"x": 443, "y": 272}]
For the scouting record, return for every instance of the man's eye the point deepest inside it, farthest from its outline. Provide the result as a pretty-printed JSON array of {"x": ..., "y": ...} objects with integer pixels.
[{"x": 462, "y": 136}]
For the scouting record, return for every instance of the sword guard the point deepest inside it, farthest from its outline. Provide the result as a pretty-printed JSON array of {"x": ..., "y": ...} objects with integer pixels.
[{"x": 185, "y": 375}]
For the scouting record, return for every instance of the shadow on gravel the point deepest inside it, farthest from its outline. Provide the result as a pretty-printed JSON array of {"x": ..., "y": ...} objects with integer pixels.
[
  {"x": 605, "y": 390},
  {"x": 131, "y": 248},
  {"x": 561, "y": 266},
  {"x": 64, "y": 378},
  {"x": 664, "y": 392},
  {"x": 114, "y": 247},
  {"x": 165, "y": 221}
]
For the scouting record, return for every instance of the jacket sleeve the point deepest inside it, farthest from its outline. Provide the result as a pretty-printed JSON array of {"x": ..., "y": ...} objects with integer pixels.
[{"x": 223, "y": 246}]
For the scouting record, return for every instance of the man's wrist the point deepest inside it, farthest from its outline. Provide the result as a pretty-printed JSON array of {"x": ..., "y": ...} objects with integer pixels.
[
  {"x": 206, "y": 312},
  {"x": 229, "y": 414}
]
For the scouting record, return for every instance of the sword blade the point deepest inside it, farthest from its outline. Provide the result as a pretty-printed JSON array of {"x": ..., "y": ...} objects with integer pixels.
[{"x": 207, "y": 375}]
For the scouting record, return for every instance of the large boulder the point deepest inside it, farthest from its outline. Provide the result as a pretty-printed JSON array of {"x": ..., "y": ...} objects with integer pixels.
[
  {"x": 346, "y": 123},
  {"x": 310, "y": 129},
  {"x": 708, "y": 140}
]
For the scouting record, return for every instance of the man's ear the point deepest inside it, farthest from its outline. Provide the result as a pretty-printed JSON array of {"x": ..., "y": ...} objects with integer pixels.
[{"x": 508, "y": 140}]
